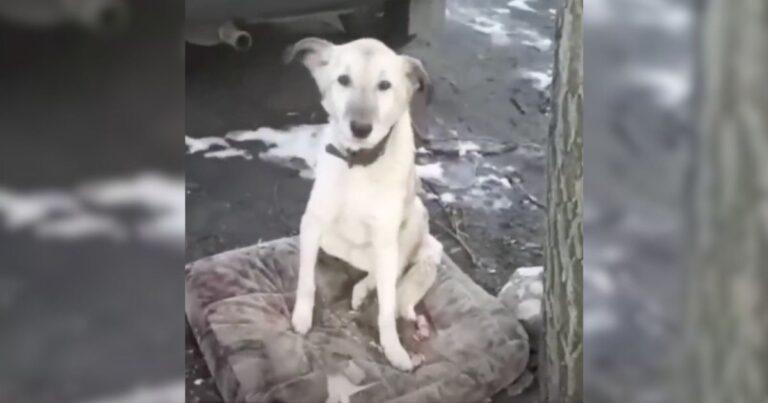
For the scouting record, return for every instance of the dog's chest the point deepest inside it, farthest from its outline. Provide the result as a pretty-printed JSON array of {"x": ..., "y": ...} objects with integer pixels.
[{"x": 358, "y": 205}]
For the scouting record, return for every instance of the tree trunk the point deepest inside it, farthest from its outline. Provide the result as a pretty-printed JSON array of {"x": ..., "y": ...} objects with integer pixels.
[
  {"x": 561, "y": 369},
  {"x": 727, "y": 310}
]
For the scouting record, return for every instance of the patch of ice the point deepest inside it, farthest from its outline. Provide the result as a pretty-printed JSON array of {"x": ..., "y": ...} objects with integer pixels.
[
  {"x": 170, "y": 392},
  {"x": 530, "y": 271},
  {"x": 228, "y": 153},
  {"x": 521, "y": 5},
  {"x": 541, "y": 80}
]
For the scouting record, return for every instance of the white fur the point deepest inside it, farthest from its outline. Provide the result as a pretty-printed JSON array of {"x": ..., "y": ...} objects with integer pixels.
[{"x": 368, "y": 215}]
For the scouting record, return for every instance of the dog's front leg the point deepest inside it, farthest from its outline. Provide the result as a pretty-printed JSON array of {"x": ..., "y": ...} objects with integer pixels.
[
  {"x": 385, "y": 261},
  {"x": 309, "y": 244}
]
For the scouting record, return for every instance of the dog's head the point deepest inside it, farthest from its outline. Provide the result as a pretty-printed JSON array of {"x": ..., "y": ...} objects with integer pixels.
[{"x": 365, "y": 86}]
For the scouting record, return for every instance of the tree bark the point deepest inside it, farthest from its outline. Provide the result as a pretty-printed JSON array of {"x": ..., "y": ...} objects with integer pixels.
[
  {"x": 561, "y": 367},
  {"x": 727, "y": 309}
]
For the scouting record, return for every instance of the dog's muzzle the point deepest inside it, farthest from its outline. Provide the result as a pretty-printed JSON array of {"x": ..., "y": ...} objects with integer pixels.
[{"x": 362, "y": 157}]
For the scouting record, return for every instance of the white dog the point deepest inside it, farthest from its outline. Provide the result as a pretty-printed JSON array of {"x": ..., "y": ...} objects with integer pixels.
[{"x": 363, "y": 206}]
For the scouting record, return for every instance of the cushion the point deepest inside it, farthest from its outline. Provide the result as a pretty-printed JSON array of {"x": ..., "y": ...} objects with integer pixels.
[{"x": 239, "y": 306}]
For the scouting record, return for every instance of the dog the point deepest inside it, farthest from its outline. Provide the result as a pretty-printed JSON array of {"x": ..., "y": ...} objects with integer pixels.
[{"x": 363, "y": 207}]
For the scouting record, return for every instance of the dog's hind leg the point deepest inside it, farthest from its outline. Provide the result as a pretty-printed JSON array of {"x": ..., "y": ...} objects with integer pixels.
[
  {"x": 419, "y": 278},
  {"x": 361, "y": 290}
]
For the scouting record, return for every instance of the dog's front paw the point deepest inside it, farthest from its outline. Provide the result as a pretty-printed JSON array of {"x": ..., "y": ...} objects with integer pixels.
[
  {"x": 399, "y": 358},
  {"x": 302, "y": 317}
]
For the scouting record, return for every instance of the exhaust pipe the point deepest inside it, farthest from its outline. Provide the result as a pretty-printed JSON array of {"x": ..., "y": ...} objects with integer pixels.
[{"x": 237, "y": 38}]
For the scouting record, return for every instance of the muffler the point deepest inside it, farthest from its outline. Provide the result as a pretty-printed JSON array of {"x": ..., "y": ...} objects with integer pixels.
[{"x": 237, "y": 38}]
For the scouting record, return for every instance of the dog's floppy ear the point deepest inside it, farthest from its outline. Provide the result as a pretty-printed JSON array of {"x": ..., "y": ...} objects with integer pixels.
[
  {"x": 418, "y": 77},
  {"x": 313, "y": 52}
]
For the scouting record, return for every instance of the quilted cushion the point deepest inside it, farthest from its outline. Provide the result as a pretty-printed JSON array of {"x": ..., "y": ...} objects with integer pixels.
[{"x": 239, "y": 306}]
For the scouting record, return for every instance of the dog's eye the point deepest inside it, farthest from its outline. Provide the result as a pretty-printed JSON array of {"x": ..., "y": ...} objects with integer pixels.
[
  {"x": 384, "y": 85},
  {"x": 344, "y": 80}
]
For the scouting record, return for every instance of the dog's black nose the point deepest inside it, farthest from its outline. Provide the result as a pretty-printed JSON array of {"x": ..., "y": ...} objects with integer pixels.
[{"x": 360, "y": 130}]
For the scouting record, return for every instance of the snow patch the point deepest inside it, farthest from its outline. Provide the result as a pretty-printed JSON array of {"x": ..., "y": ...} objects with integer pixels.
[
  {"x": 495, "y": 179},
  {"x": 448, "y": 198},
  {"x": 228, "y": 153},
  {"x": 541, "y": 80},
  {"x": 501, "y": 203},
  {"x": 467, "y": 146},
  {"x": 528, "y": 309},
  {"x": 431, "y": 171},
  {"x": 298, "y": 143},
  {"x": 20, "y": 210},
  {"x": 536, "y": 288},
  {"x": 80, "y": 226},
  {"x": 530, "y": 271},
  {"x": 92, "y": 210},
  {"x": 534, "y": 39},
  {"x": 195, "y": 145},
  {"x": 480, "y": 22},
  {"x": 162, "y": 196},
  {"x": 521, "y": 5}
]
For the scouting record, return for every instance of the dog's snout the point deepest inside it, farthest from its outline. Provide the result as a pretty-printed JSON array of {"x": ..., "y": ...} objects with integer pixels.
[{"x": 360, "y": 130}]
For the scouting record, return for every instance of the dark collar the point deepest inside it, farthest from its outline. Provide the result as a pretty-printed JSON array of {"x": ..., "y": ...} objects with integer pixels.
[{"x": 362, "y": 157}]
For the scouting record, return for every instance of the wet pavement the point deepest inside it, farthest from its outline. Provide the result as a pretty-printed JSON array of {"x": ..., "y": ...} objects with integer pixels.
[{"x": 482, "y": 158}]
